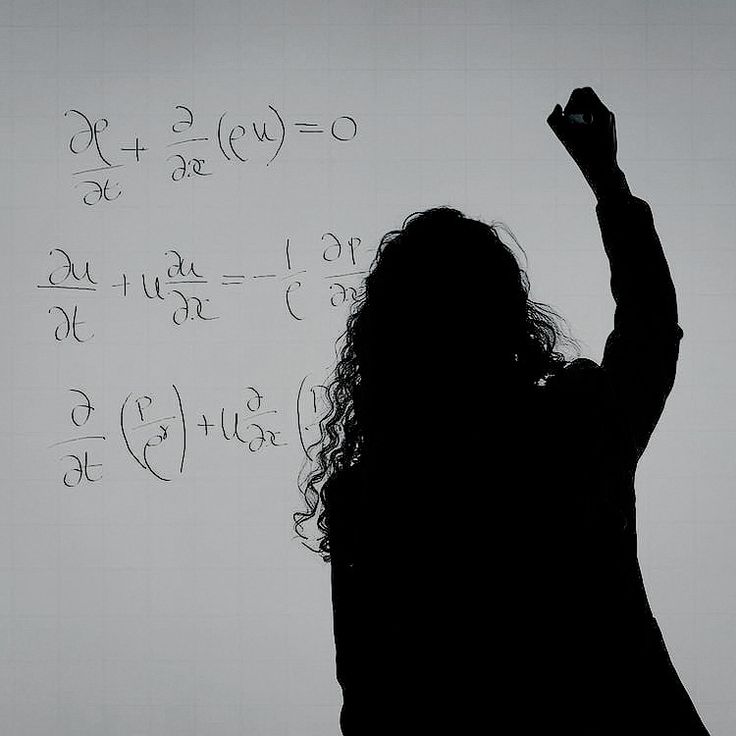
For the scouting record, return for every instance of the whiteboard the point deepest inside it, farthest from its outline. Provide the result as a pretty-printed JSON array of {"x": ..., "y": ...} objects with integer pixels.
[{"x": 193, "y": 192}]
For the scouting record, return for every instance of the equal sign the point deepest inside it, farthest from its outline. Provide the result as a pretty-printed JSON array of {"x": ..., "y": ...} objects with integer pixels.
[
  {"x": 238, "y": 279},
  {"x": 309, "y": 128}
]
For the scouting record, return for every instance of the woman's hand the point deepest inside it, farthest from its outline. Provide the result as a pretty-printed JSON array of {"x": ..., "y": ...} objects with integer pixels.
[{"x": 587, "y": 129}]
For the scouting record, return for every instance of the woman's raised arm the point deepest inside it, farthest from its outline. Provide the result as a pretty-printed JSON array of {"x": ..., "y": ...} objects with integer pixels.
[{"x": 640, "y": 355}]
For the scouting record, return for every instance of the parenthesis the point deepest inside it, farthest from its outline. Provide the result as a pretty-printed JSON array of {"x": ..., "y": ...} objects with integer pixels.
[
  {"x": 283, "y": 133},
  {"x": 125, "y": 436},
  {"x": 183, "y": 427},
  {"x": 219, "y": 135}
]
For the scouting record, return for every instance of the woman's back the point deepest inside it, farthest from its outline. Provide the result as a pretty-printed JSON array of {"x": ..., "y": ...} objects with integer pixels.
[{"x": 498, "y": 588}]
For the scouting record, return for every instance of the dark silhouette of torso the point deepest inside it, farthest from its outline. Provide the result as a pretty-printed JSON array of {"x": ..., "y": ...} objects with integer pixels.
[{"x": 484, "y": 560}]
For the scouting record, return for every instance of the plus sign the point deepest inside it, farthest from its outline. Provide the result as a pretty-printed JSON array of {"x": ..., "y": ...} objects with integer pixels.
[
  {"x": 138, "y": 148},
  {"x": 206, "y": 425}
]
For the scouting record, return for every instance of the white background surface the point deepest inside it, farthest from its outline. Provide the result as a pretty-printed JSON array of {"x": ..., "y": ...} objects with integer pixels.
[{"x": 133, "y": 606}]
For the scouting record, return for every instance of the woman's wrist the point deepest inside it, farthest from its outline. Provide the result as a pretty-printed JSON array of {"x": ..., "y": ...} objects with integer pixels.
[{"x": 611, "y": 184}]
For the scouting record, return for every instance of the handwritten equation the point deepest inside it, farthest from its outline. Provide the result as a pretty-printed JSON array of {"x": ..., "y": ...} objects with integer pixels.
[
  {"x": 182, "y": 277},
  {"x": 157, "y": 432},
  {"x": 190, "y": 150}
]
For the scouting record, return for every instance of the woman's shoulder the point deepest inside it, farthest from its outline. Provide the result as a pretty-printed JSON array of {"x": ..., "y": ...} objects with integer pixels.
[
  {"x": 580, "y": 374},
  {"x": 578, "y": 371},
  {"x": 579, "y": 396}
]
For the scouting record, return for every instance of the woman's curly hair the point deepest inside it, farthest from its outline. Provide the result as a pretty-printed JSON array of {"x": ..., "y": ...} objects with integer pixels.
[{"x": 465, "y": 269}]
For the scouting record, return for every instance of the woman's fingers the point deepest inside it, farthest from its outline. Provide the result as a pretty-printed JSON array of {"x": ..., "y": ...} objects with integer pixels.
[
  {"x": 584, "y": 101},
  {"x": 592, "y": 100},
  {"x": 556, "y": 118},
  {"x": 586, "y": 128}
]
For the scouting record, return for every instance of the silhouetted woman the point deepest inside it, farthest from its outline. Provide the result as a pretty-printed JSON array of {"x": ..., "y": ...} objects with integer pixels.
[{"x": 478, "y": 487}]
